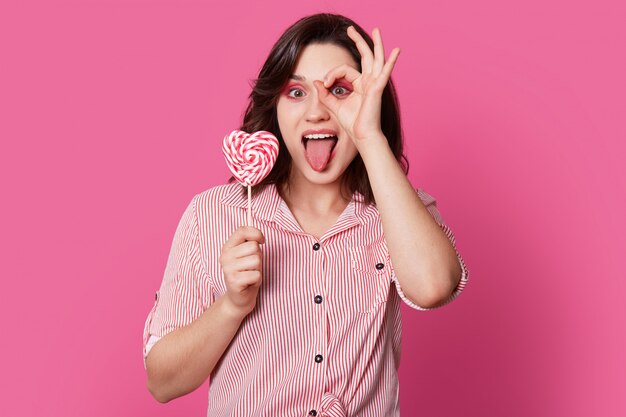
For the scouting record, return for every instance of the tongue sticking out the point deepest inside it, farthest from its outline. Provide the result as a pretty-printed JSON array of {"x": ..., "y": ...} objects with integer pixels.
[{"x": 317, "y": 152}]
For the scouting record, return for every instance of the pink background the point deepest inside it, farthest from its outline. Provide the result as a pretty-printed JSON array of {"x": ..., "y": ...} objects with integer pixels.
[{"x": 111, "y": 117}]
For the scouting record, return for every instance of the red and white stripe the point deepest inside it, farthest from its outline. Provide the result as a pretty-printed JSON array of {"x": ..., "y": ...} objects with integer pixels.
[
  {"x": 250, "y": 157},
  {"x": 270, "y": 368}
]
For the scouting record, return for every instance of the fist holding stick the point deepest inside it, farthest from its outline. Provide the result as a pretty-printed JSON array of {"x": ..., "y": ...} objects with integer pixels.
[{"x": 241, "y": 261}]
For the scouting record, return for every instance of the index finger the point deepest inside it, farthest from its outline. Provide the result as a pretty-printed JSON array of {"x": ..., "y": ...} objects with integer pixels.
[
  {"x": 244, "y": 234},
  {"x": 379, "y": 51},
  {"x": 364, "y": 49}
]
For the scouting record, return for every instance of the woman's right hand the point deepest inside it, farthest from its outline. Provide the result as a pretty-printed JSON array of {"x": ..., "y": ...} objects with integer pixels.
[{"x": 241, "y": 262}]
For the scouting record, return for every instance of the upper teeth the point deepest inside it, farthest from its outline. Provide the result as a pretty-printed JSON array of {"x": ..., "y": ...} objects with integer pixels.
[{"x": 319, "y": 136}]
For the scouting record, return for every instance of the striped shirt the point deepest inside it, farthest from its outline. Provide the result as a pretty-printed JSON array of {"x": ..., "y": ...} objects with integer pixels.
[{"x": 324, "y": 337}]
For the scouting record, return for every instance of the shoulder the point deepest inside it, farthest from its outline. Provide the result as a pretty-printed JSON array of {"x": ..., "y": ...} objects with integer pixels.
[
  {"x": 218, "y": 211},
  {"x": 213, "y": 198}
]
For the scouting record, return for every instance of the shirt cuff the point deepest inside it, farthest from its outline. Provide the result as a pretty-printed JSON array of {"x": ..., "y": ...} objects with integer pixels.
[
  {"x": 460, "y": 286},
  {"x": 151, "y": 341}
]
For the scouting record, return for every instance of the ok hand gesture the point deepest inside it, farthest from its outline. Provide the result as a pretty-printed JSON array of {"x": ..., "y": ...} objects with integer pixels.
[{"x": 359, "y": 113}]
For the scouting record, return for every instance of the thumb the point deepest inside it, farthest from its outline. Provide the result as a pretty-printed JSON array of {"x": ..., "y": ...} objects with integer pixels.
[{"x": 325, "y": 97}]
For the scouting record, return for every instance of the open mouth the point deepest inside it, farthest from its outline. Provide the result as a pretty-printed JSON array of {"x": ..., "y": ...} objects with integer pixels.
[
  {"x": 331, "y": 138},
  {"x": 318, "y": 149}
]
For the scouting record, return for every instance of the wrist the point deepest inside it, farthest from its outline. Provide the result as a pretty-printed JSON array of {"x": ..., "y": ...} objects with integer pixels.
[
  {"x": 373, "y": 147},
  {"x": 372, "y": 135},
  {"x": 230, "y": 309}
]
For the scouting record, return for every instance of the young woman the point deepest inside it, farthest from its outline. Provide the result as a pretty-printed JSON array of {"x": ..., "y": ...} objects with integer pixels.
[{"x": 300, "y": 314}]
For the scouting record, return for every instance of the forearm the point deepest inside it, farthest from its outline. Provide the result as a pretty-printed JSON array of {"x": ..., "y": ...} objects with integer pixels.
[
  {"x": 423, "y": 257},
  {"x": 183, "y": 359}
]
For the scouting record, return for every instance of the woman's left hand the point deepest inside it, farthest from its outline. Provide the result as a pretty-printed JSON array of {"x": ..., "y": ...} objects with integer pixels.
[{"x": 359, "y": 112}]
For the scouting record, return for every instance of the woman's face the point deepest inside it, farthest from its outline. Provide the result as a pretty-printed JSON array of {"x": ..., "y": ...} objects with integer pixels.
[{"x": 323, "y": 157}]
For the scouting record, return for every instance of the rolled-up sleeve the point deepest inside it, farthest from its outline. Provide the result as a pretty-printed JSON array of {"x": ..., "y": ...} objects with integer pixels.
[
  {"x": 185, "y": 291},
  {"x": 431, "y": 205}
]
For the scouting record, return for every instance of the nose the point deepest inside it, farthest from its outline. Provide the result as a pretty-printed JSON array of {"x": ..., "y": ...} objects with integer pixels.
[{"x": 316, "y": 110}]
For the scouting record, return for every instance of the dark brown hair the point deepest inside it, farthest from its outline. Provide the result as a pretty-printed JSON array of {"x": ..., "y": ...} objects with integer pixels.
[{"x": 261, "y": 111}]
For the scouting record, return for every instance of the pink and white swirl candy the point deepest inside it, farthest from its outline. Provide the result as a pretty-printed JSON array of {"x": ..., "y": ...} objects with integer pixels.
[{"x": 250, "y": 157}]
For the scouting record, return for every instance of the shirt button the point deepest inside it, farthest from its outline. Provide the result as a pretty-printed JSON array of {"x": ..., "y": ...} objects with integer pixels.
[
  {"x": 318, "y": 358},
  {"x": 318, "y": 299},
  {"x": 312, "y": 413},
  {"x": 316, "y": 246},
  {"x": 380, "y": 266}
]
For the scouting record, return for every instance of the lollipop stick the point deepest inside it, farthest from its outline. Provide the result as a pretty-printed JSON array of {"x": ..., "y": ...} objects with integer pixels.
[
  {"x": 249, "y": 205},
  {"x": 250, "y": 158}
]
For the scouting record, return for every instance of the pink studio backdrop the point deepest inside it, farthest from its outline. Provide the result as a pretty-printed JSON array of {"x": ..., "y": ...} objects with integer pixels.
[{"x": 111, "y": 117}]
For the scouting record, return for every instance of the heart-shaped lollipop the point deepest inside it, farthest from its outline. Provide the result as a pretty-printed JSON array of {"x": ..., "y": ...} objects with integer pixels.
[{"x": 250, "y": 157}]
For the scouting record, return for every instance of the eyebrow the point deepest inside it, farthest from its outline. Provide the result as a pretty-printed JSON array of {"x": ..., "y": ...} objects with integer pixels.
[{"x": 297, "y": 77}]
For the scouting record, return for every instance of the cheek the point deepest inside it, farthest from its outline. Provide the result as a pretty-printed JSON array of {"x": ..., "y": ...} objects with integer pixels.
[
  {"x": 283, "y": 123},
  {"x": 350, "y": 148},
  {"x": 288, "y": 112},
  {"x": 287, "y": 118},
  {"x": 351, "y": 153},
  {"x": 280, "y": 111}
]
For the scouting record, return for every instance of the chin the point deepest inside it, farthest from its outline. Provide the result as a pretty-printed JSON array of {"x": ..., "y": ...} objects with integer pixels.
[
  {"x": 328, "y": 176},
  {"x": 333, "y": 172}
]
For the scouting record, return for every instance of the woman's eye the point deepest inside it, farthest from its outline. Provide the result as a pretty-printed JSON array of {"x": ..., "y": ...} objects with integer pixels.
[
  {"x": 339, "y": 90},
  {"x": 295, "y": 92}
]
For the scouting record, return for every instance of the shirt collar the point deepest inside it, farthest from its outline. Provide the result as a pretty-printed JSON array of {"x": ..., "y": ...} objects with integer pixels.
[
  {"x": 268, "y": 205},
  {"x": 264, "y": 204}
]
